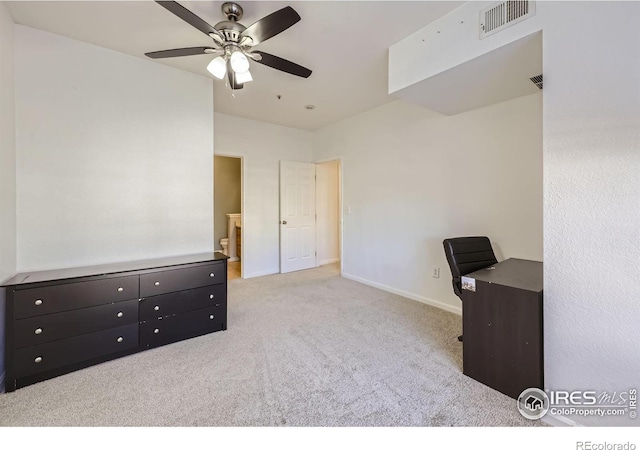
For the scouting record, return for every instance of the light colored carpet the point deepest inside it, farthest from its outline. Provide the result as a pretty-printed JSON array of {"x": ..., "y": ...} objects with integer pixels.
[{"x": 303, "y": 349}]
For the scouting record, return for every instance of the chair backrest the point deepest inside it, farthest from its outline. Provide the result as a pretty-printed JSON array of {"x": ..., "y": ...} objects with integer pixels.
[{"x": 466, "y": 255}]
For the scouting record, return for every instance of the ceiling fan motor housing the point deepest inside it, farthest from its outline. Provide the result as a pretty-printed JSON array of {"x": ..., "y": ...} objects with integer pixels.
[
  {"x": 230, "y": 30},
  {"x": 232, "y": 11}
]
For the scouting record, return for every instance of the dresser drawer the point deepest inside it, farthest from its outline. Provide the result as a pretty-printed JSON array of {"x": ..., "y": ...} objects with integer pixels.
[
  {"x": 64, "y": 297},
  {"x": 181, "y": 279},
  {"x": 51, "y": 327},
  {"x": 181, "y": 326},
  {"x": 40, "y": 358},
  {"x": 183, "y": 301}
]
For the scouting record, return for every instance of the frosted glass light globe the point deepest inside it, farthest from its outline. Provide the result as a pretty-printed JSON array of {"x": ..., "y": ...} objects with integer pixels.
[
  {"x": 243, "y": 77},
  {"x": 218, "y": 67},
  {"x": 239, "y": 62}
]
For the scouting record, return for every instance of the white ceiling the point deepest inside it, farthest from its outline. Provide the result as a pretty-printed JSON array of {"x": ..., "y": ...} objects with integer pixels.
[{"x": 344, "y": 43}]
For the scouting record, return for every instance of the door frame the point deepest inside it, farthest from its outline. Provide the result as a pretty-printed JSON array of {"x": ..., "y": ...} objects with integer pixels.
[
  {"x": 243, "y": 162},
  {"x": 340, "y": 161}
]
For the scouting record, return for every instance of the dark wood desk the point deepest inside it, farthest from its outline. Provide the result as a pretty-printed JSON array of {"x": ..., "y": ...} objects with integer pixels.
[{"x": 502, "y": 326}]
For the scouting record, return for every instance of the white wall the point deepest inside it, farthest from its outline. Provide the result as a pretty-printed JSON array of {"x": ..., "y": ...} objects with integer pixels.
[
  {"x": 592, "y": 199},
  {"x": 328, "y": 212},
  {"x": 413, "y": 178},
  {"x": 7, "y": 165},
  {"x": 591, "y": 128},
  {"x": 114, "y": 155},
  {"x": 262, "y": 146}
]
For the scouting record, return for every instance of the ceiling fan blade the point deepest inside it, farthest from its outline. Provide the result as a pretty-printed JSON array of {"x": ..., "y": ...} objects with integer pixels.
[
  {"x": 231, "y": 75},
  {"x": 273, "y": 24},
  {"x": 188, "y": 17},
  {"x": 282, "y": 64},
  {"x": 182, "y": 52}
]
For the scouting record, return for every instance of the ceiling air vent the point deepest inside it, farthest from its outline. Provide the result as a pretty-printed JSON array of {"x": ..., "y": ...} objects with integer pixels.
[
  {"x": 504, "y": 14},
  {"x": 537, "y": 80}
]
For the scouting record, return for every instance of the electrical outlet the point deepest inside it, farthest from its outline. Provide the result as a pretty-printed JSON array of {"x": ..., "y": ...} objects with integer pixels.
[{"x": 436, "y": 272}]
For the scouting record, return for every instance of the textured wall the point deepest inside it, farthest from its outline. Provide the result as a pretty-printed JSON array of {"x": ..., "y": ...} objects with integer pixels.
[
  {"x": 114, "y": 155},
  {"x": 591, "y": 129},
  {"x": 592, "y": 199},
  {"x": 413, "y": 177},
  {"x": 7, "y": 148},
  {"x": 262, "y": 147},
  {"x": 7, "y": 165}
]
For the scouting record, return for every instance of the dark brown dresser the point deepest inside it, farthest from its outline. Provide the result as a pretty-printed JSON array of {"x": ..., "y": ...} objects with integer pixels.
[
  {"x": 58, "y": 321},
  {"x": 502, "y": 326}
]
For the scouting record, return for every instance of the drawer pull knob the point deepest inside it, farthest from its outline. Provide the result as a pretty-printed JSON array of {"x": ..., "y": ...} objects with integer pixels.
[
  {"x": 38, "y": 331},
  {"x": 156, "y": 308},
  {"x": 38, "y": 302},
  {"x": 38, "y": 359},
  {"x": 156, "y": 331},
  {"x": 157, "y": 283},
  {"x": 120, "y": 339},
  {"x": 211, "y": 296},
  {"x": 212, "y": 274},
  {"x": 120, "y": 314},
  {"x": 211, "y": 316}
]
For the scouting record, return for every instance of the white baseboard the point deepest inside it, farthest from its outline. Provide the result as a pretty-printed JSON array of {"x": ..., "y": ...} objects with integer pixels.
[
  {"x": 560, "y": 421},
  {"x": 409, "y": 295},
  {"x": 260, "y": 273},
  {"x": 328, "y": 261}
]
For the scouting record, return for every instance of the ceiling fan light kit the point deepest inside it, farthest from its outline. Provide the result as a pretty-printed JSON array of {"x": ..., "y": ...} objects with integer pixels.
[
  {"x": 233, "y": 42},
  {"x": 243, "y": 77},
  {"x": 218, "y": 67},
  {"x": 239, "y": 62}
]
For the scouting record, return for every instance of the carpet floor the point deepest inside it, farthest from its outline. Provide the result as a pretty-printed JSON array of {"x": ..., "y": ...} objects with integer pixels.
[{"x": 302, "y": 349}]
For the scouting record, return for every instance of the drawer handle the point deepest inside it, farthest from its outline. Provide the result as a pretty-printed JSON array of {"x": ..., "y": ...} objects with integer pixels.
[
  {"x": 38, "y": 359},
  {"x": 211, "y": 296},
  {"x": 120, "y": 314},
  {"x": 156, "y": 331},
  {"x": 38, "y": 331},
  {"x": 120, "y": 289},
  {"x": 157, "y": 283},
  {"x": 38, "y": 302},
  {"x": 211, "y": 317},
  {"x": 120, "y": 339},
  {"x": 212, "y": 274},
  {"x": 156, "y": 308}
]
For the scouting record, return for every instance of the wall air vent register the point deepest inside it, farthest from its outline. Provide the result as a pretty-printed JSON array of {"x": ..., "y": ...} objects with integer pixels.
[
  {"x": 537, "y": 80},
  {"x": 504, "y": 14}
]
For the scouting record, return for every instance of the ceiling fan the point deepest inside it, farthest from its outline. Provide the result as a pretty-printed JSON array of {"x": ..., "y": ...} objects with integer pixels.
[{"x": 233, "y": 42}]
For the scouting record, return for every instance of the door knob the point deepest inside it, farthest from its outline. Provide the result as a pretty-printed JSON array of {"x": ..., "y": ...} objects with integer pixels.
[{"x": 284, "y": 222}]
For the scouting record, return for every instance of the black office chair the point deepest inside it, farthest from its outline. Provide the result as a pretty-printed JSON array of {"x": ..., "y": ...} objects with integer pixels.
[{"x": 466, "y": 255}]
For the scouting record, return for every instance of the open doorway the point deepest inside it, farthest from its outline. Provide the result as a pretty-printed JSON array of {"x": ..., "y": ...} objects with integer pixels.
[
  {"x": 329, "y": 212},
  {"x": 227, "y": 214},
  {"x": 310, "y": 215}
]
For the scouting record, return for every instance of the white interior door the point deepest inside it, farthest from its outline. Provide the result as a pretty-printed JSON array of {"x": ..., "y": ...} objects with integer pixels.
[{"x": 297, "y": 216}]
